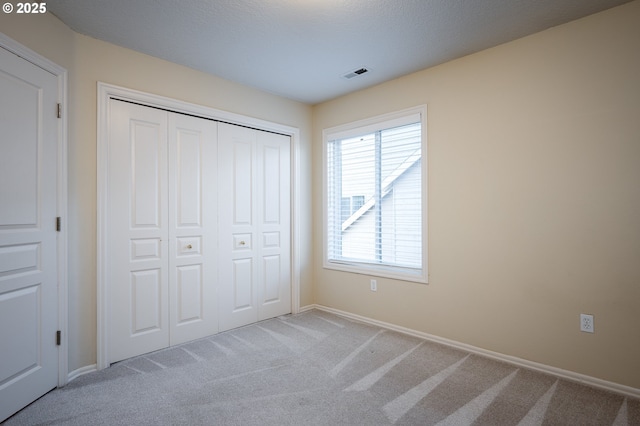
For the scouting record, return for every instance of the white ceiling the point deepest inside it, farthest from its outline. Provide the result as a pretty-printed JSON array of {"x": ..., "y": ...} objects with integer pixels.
[{"x": 301, "y": 49}]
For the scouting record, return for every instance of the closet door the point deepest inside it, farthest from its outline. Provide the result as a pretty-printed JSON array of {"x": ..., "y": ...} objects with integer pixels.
[
  {"x": 192, "y": 228},
  {"x": 254, "y": 225},
  {"x": 274, "y": 224},
  {"x": 138, "y": 238},
  {"x": 162, "y": 243}
]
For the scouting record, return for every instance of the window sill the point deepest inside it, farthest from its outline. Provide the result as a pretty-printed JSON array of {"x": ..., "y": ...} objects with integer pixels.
[{"x": 402, "y": 274}]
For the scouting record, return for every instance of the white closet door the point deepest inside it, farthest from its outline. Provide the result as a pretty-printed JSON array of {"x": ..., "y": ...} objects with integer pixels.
[
  {"x": 162, "y": 220},
  {"x": 254, "y": 225},
  {"x": 138, "y": 237},
  {"x": 28, "y": 255},
  {"x": 274, "y": 224},
  {"x": 192, "y": 228}
]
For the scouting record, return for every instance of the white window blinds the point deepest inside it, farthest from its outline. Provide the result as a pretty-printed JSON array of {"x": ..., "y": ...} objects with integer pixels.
[{"x": 374, "y": 196}]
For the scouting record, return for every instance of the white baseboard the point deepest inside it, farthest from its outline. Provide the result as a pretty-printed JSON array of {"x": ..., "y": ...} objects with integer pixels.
[
  {"x": 543, "y": 368},
  {"x": 307, "y": 308},
  {"x": 81, "y": 371}
]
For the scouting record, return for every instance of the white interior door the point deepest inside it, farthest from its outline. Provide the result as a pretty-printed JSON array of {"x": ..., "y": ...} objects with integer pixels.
[
  {"x": 274, "y": 224},
  {"x": 254, "y": 225},
  {"x": 28, "y": 254},
  {"x": 138, "y": 241},
  {"x": 162, "y": 217},
  {"x": 192, "y": 228}
]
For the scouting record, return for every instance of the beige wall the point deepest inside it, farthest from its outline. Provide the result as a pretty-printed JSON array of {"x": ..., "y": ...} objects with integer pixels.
[
  {"x": 89, "y": 61},
  {"x": 534, "y": 198}
]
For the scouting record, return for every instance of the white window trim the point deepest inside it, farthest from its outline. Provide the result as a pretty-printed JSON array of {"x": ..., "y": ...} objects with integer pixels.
[{"x": 346, "y": 130}]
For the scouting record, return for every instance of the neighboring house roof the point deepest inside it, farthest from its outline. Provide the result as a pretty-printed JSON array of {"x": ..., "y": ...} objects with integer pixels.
[{"x": 387, "y": 186}]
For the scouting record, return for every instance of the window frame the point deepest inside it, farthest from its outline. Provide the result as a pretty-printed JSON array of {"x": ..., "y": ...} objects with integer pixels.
[{"x": 357, "y": 128}]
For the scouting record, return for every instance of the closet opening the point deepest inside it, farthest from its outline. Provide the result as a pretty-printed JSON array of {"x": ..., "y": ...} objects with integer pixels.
[{"x": 164, "y": 154}]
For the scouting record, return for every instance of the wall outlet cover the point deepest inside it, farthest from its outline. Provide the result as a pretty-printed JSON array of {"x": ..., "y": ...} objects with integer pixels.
[{"x": 586, "y": 323}]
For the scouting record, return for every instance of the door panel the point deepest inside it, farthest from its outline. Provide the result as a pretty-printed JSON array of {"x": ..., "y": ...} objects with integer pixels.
[
  {"x": 242, "y": 178},
  {"x": 138, "y": 239},
  {"x": 145, "y": 249},
  {"x": 272, "y": 186},
  {"x": 254, "y": 235},
  {"x": 146, "y": 298},
  {"x": 147, "y": 165},
  {"x": 272, "y": 279},
  {"x": 193, "y": 213},
  {"x": 188, "y": 177},
  {"x": 190, "y": 294},
  {"x": 162, "y": 171},
  {"x": 274, "y": 218},
  {"x": 28, "y": 253},
  {"x": 243, "y": 299},
  {"x": 21, "y": 306},
  {"x": 236, "y": 164},
  {"x": 20, "y": 144}
]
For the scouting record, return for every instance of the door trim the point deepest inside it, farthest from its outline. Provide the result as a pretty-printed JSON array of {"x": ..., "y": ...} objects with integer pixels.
[
  {"x": 106, "y": 92},
  {"x": 61, "y": 208}
]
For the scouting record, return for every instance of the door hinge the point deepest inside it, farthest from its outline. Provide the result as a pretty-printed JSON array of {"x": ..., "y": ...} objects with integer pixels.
[
  {"x": 59, "y": 110},
  {"x": 58, "y": 224},
  {"x": 58, "y": 337}
]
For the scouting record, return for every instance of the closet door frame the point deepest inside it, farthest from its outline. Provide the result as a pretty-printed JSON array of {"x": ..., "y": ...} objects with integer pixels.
[{"x": 106, "y": 92}]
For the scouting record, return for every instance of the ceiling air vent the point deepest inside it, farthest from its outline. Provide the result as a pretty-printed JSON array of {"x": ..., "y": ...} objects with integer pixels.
[{"x": 355, "y": 73}]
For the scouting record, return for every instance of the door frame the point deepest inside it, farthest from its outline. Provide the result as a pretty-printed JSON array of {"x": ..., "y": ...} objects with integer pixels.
[
  {"x": 61, "y": 201},
  {"x": 106, "y": 92}
]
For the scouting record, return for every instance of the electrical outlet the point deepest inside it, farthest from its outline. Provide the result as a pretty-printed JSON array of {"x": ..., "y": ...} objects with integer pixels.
[
  {"x": 374, "y": 285},
  {"x": 586, "y": 323}
]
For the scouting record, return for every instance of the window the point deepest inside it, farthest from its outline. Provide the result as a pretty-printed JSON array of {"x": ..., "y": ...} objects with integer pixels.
[{"x": 375, "y": 196}]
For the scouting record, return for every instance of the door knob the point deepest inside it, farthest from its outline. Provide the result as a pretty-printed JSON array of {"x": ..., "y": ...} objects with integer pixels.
[{"x": 189, "y": 246}]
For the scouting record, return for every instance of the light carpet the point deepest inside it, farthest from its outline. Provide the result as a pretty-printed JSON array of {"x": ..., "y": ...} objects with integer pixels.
[{"x": 317, "y": 368}]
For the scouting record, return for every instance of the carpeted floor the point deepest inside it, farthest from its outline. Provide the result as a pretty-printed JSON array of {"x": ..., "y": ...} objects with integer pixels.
[{"x": 316, "y": 368}]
